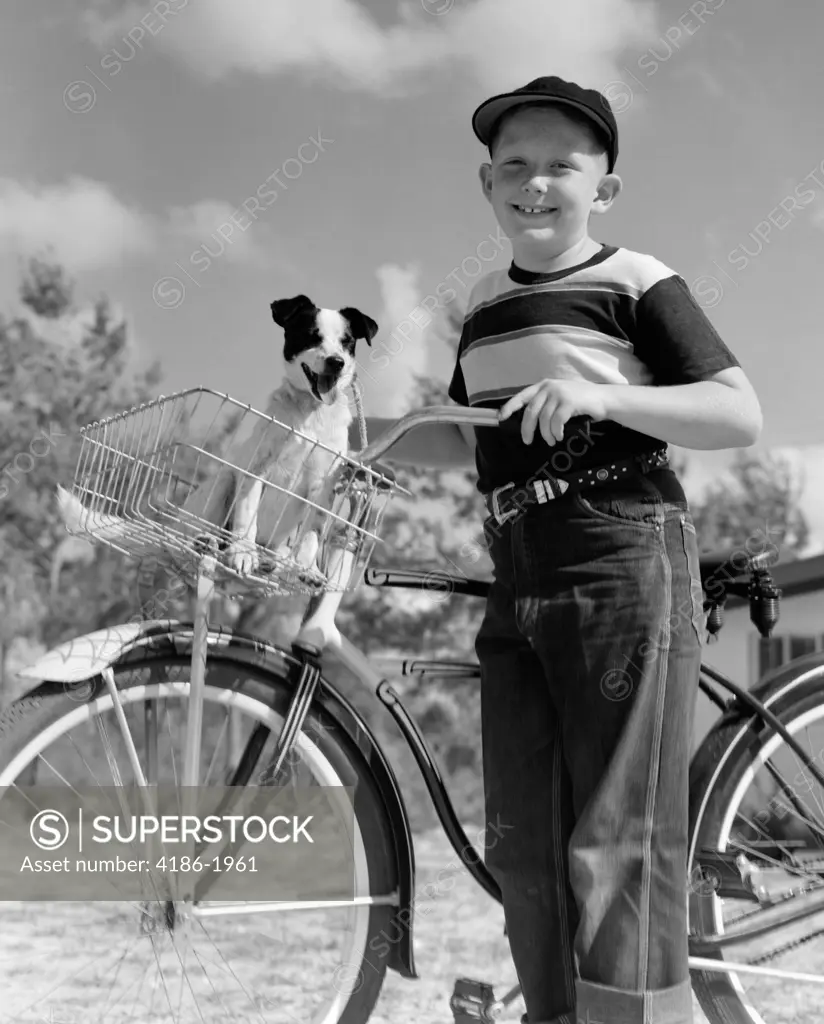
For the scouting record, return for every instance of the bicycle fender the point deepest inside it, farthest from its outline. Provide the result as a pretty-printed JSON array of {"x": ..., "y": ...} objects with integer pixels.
[
  {"x": 773, "y": 687},
  {"x": 772, "y": 690},
  {"x": 87, "y": 656}
]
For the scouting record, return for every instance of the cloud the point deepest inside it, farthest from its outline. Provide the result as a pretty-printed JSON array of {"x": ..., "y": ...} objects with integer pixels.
[
  {"x": 209, "y": 222},
  {"x": 399, "y": 350},
  {"x": 708, "y": 81},
  {"x": 501, "y": 44},
  {"x": 83, "y": 225}
]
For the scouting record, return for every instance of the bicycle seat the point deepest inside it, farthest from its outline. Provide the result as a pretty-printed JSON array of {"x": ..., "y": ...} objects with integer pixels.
[{"x": 733, "y": 563}]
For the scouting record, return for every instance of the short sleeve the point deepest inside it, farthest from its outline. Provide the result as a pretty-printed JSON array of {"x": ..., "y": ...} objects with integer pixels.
[
  {"x": 674, "y": 337},
  {"x": 457, "y": 386}
]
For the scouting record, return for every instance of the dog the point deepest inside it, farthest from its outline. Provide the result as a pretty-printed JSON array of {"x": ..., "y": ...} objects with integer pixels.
[
  {"x": 319, "y": 357},
  {"x": 319, "y": 363}
]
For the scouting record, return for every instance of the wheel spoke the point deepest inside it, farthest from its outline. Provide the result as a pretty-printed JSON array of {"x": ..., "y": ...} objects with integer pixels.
[
  {"x": 228, "y": 967},
  {"x": 114, "y": 768},
  {"x": 223, "y": 732},
  {"x": 813, "y": 824},
  {"x": 84, "y": 762},
  {"x": 150, "y": 715},
  {"x": 108, "y": 1005}
]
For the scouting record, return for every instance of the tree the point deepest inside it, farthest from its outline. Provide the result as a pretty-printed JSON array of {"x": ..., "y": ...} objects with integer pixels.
[
  {"x": 759, "y": 501},
  {"x": 60, "y": 368}
]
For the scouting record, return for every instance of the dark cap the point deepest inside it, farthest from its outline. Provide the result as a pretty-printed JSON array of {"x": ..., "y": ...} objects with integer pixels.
[{"x": 551, "y": 89}]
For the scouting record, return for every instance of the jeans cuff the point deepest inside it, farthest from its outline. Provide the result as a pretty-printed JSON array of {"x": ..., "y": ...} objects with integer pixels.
[
  {"x": 601, "y": 1004},
  {"x": 565, "y": 1018}
]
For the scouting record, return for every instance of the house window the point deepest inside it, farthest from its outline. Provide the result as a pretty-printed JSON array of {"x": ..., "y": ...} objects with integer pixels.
[{"x": 772, "y": 652}]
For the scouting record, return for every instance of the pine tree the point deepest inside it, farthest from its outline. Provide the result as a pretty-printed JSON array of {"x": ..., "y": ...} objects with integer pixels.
[{"x": 60, "y": 368}]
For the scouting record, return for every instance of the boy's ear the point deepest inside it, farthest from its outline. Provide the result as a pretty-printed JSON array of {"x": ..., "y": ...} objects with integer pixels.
[
  {"x": 485, "y": 174},
  {"x": 608, "y": 191}
]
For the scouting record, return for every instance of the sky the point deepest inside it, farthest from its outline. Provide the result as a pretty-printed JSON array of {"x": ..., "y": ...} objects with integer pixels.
[{"x": 195, "y": 159}]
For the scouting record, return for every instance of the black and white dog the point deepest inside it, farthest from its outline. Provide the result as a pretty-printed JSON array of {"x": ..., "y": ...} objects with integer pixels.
[
  {"x": 319, "y": 362},
  {"x": 319, "y": 357}
]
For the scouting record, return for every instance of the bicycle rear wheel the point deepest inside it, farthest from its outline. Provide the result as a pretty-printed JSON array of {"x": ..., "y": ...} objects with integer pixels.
[
  {"x": 321, "y": 963},
  {"x": 752, "y": 797}
]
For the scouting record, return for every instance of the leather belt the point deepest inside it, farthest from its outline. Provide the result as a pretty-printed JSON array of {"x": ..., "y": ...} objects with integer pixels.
[{"x": 546, "y": 487}]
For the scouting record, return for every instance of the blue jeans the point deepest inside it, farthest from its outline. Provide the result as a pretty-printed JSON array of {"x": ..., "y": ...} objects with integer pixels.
[{"x": 589, "y": 651}]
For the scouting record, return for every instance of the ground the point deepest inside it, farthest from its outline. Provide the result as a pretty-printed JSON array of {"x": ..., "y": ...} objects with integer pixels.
[
  {"x": 461, "y": 934},
  {"x": 458, "y": 932}
]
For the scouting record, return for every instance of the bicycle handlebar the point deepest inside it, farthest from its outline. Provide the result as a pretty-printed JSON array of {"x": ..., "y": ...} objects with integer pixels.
[{"x": 431, "y": 414}]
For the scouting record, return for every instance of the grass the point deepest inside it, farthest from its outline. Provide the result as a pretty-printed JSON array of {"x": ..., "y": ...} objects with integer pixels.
[
  {"x": 54, "y": 972},
  {"x": 460, "y": 934}
]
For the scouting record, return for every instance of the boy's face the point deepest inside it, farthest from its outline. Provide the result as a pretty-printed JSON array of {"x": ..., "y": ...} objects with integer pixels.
[{"x": 545, "y": 160}]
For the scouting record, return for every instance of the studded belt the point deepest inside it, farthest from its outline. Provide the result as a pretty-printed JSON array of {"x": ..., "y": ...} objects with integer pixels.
[{"x": 507, "y": 500}]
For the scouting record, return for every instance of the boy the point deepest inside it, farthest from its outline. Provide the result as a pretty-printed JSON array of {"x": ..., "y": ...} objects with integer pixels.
[{"x": 591, "y": 640}]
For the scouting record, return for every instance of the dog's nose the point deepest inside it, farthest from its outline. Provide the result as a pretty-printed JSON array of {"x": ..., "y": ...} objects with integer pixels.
[{"x": 334, "y": 364}]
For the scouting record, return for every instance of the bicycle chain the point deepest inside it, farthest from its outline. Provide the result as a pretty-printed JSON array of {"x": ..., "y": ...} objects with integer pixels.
[
  {"x": 760, "y": 909},
  {"x": 785, "y": 948},
  {"x": 766, "y": 957}
]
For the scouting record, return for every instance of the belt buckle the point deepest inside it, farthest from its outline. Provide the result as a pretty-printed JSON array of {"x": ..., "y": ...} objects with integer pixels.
[
  {"x": 654, "y": 460},
  {"x": 501, "y": 517}
]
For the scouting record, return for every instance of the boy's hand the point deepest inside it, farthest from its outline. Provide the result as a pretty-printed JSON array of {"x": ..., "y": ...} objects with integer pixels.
[{"x": 550, "y": 403}]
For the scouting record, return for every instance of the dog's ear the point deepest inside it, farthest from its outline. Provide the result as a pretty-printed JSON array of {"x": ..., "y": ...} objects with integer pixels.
[
  {"x": 363, "y": 326},
  {"x": 285, "y": 309}
]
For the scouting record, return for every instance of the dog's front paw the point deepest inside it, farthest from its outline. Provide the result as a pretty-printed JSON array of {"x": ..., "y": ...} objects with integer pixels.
[
  {"x": 307, "y": 550},
  {"x": 242, "y": 557}
]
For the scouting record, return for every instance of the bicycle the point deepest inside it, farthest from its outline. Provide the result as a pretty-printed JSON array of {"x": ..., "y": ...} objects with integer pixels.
[{"x": 162, "y": 685}]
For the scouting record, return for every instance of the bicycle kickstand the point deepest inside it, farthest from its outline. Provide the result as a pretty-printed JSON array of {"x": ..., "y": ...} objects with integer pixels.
[{"x": 475, "y": 1001}]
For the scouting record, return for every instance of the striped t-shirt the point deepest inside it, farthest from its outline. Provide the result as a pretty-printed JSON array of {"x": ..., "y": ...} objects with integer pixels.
[{"x": 619, "y": 318}]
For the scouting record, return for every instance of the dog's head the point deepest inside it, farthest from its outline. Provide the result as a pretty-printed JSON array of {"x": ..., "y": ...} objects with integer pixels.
[{"x": 319, "y": 347}]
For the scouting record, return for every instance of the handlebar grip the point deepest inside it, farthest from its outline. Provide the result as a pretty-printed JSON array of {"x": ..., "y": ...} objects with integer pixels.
[{"x": 512, "y": 424}]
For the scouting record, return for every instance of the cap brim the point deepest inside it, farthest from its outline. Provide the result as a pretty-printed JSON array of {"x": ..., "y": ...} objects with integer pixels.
[{"x": 488, "y": 113}]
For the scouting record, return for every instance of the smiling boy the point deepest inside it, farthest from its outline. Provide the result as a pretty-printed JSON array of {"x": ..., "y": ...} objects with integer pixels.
[{"x": 591, "y": 640}]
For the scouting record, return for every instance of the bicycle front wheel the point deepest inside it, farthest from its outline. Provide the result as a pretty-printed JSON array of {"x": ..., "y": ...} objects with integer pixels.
[
  {"x": 752, "y": 799},
  {"x": 321, "y": 962}
]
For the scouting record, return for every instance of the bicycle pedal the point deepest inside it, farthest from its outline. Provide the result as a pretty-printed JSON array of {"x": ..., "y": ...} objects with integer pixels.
[{"x": 474, "y": 1001}]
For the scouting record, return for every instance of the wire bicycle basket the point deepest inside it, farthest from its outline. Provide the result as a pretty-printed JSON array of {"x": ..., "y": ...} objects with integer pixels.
[{"x": 167, "y": 478}]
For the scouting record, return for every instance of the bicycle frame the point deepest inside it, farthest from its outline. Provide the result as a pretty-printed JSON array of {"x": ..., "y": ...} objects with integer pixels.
[{"x": 710, "y": 680}]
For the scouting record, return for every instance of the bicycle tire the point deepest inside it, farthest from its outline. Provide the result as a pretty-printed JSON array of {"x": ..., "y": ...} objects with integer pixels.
[
  {"x": 718, "y": 768},
  {"x": 27, "y": 718}
]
